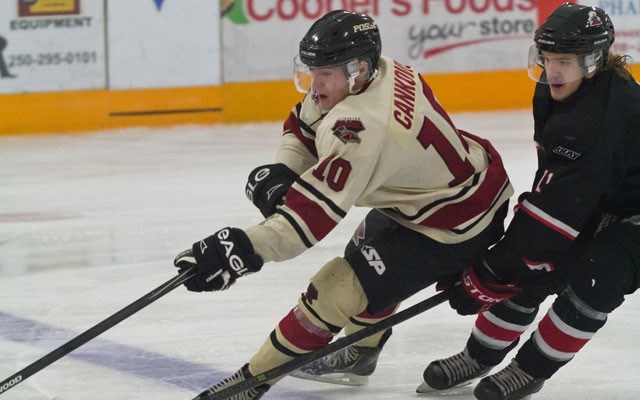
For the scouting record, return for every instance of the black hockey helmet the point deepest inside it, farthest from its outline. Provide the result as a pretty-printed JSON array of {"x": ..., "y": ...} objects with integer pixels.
[
  {"x": 340, "y": 36},
  {"x": 577, "y": 29}
]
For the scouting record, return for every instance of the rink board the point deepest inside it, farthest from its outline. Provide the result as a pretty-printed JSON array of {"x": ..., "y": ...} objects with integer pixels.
[{"x": 238, "y": 102}]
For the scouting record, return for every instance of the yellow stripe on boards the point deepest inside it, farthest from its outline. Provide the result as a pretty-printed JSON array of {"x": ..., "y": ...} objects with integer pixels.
[
  {"x": 235, "y": 102},
  {"x": 91, "y": 110}
]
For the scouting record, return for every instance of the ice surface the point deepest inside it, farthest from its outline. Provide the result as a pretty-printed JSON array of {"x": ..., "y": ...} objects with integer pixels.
[{"x": 90, "y": 223}]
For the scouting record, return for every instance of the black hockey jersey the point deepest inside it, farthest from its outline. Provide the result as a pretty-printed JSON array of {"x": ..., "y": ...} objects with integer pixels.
[{"x": 588, "y": 164}]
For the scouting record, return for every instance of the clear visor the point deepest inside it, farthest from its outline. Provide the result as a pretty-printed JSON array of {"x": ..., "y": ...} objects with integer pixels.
[
  {"x": 337, "y": 76},
  {"x": 558, "y": 68}
]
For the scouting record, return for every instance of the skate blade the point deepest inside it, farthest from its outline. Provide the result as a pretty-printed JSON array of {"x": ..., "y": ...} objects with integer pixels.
[
  {"x": 424, "y": 388},
  {"x": 336, "y": 379}
]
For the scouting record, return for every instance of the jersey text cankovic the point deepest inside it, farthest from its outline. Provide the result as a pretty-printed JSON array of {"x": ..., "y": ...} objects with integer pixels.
[{"x": 391, "y": 147}]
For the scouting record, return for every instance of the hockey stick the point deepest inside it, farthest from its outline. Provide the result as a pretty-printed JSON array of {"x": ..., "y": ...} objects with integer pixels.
[
  {"x": 341, "y": 343},
  {"x": 94, "y": 331}
]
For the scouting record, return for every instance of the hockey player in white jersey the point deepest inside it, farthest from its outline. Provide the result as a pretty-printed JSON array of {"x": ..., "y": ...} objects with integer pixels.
[{"x": 369, "y": 132}]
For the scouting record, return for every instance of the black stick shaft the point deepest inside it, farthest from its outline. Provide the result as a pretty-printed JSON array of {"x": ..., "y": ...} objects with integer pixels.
[
  {"x": 341, "y": 343},
  {"x": 94, "y": 331}
]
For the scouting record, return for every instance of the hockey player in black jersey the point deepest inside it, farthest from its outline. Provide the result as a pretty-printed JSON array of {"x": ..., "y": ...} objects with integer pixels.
[{"x": 576, "y": 233}]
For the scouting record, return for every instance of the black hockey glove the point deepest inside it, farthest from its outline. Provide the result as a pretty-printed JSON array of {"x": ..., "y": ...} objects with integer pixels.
[
  {"x": 219, "y": 260},
  {"x": 267, "y": 186},
  {"x": 476, "y": 289}
]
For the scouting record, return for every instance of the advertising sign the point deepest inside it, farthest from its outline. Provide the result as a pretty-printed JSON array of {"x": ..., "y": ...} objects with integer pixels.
[
  {"x": 163, "y": 43},
  {"x": 51, "y": 45},
  {"x": 261, "y": 36}
]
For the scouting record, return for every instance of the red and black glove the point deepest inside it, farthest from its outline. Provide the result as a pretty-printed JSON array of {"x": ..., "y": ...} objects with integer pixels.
[{"x": 476, "y": 289}]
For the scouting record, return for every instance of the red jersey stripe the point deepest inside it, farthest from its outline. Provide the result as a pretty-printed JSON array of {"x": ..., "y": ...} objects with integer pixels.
[
  {"x": 314, "y": 216},
  {"x": 455, "y": 214},
  {"x": 550, "y": 222},
  {"x": 292, "y": 125}
]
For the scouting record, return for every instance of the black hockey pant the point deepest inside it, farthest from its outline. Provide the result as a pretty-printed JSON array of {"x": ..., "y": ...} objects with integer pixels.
[{"x": 598, "y": 281}]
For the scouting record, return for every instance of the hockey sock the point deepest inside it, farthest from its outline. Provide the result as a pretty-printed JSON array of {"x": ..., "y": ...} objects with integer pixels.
[
  {"x": 567, "y": 327},
  {"x": 498, "y": 329}
]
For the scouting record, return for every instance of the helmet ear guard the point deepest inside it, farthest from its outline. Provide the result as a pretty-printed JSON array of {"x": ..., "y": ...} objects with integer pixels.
[{"x": 592, "y": 61}]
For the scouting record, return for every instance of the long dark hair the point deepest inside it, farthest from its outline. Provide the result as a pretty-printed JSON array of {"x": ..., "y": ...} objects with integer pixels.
[{"x": 619, "y": 63}]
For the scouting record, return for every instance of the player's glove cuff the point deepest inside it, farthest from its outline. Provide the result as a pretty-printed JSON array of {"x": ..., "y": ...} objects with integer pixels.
[
  {"x": 219, "y": 260},
  {"x": 486, "y": 290}
]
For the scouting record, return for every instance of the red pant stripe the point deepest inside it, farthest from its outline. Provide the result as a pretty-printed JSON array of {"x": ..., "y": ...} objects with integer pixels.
[{"x": 380, "y": 315}]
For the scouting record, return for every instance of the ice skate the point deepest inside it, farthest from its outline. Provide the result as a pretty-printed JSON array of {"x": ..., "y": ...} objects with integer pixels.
[
  {"x": 240, "y": 376},
  {"x": 512, "y": 383},
  {"x": 455, "y": 371},
  {"x": 350, "y": 366}
]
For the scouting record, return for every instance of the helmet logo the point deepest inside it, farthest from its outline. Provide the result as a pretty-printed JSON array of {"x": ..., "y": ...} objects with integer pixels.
[
  {"x": 367, "y": 26},
  {"x": 593, "y": 20},
  {"x": 346, "y": 129}
]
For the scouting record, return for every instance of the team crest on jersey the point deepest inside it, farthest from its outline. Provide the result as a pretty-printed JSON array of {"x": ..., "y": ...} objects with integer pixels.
[
  {"x": 346, "y": 129},
  {"x": 593, "y": 19}
]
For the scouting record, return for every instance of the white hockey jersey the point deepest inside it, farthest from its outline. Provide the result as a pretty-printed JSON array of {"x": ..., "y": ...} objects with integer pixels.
[{"x": 391, "y": 147}]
